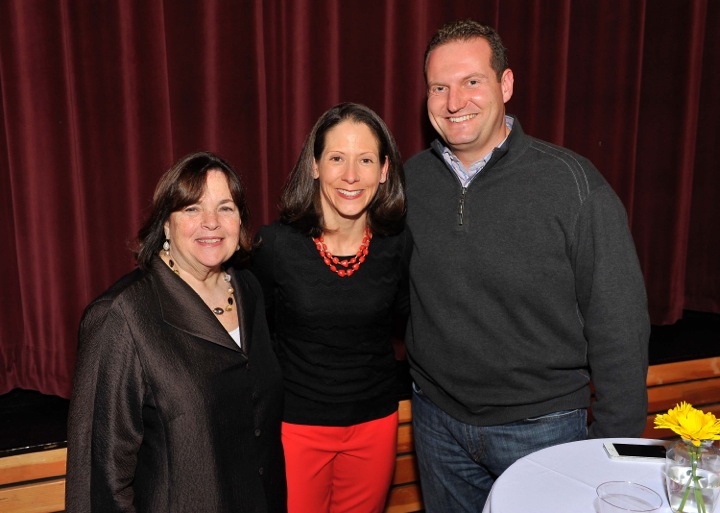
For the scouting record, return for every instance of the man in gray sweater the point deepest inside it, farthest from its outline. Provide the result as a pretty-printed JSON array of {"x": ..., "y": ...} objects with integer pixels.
[{"x": 525, "y": 285}]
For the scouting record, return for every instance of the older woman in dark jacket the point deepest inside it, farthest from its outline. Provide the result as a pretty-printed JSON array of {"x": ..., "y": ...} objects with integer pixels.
[{"x": 177, "y": 400}]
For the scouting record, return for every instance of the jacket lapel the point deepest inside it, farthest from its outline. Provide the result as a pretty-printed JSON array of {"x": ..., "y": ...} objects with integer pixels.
[
  {"x": 246, "y": 300},
  {"x": 183, "y": 309}
]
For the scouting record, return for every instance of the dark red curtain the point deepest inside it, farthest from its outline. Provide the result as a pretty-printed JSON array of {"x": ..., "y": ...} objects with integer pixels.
[{"x": 100, "y": 97}]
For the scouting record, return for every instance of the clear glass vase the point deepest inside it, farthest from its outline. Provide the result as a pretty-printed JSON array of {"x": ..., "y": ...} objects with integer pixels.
[{"x": 692, "y": 475}]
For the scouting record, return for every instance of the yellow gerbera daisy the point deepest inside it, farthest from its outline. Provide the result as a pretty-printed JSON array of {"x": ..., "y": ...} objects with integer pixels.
[{"x": 690, "y": 423}]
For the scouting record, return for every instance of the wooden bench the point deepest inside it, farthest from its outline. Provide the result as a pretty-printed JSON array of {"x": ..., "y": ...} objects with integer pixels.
[
  {"x": 404, "y": 496},
  {"x": 35, "y": 483},
  {"x": 694, "y": 381}
]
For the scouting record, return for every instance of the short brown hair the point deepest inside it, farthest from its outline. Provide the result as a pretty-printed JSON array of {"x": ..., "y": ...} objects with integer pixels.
[
  {"x": 465, "y": 30},
  {"x": 182, "y": 185}
]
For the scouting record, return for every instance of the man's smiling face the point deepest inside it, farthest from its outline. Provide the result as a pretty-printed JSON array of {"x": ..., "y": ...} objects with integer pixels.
[{"x": 466, "y": 102}]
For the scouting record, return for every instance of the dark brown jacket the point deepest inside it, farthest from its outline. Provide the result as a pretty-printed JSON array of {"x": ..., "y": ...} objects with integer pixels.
[{"x": 167, "y": 413}]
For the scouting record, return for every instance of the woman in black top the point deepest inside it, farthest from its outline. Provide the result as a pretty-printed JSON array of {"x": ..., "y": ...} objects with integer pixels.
[{"x": 334, "y": 274}]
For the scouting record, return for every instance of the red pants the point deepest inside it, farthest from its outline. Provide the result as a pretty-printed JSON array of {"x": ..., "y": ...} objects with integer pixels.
[{"x": 340, "y": 469}]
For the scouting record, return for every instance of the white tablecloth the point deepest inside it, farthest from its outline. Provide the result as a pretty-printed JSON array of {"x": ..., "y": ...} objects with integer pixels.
[{"x": 563, "y": 479}]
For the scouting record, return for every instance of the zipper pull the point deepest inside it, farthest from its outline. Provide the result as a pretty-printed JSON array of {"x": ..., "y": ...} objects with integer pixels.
[{"x": 461, "y": 206}]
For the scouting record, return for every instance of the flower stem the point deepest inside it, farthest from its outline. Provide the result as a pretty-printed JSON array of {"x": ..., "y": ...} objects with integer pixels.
[
  {"x": 694, "y": 482},
  {"x": 698, "y": 492},
  {"x": 684, "y": 499}
]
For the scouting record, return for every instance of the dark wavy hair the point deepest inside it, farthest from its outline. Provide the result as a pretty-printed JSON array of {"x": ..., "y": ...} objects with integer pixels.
[
  {"x": 182, "y": 185},
  {"x": 300, "y": 204},
  {"x": 465, "y": 30}
]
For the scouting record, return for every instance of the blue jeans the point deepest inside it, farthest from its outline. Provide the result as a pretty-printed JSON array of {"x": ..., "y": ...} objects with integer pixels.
[{"x": 459, "y": 462}]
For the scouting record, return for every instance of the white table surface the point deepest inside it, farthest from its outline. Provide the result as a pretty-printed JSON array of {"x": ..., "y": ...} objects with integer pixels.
[{"x": 563, "y": 479}]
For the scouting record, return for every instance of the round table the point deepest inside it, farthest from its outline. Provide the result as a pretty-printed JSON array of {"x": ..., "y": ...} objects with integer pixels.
[{"x": 563, "y": 478}]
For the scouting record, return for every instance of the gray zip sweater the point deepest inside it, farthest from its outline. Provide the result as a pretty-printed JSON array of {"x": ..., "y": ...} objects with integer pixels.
[{"x": 525, "y": 285}]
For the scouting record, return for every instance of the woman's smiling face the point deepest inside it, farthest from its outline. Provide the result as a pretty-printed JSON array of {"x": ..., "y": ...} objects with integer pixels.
[
  {"x": 205, "y": 234},
  {"x": 349, "y": 171}
]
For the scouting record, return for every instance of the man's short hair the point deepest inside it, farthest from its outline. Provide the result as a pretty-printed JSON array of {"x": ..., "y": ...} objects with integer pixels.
[{"x": 465, "y": 30}]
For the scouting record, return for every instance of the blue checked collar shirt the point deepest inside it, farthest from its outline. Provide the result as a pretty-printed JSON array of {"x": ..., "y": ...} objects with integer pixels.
[{"x": 465, "y": 175}]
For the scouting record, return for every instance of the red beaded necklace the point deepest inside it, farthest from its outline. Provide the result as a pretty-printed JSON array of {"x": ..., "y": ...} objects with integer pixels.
[{"x": 353, "y": 264}]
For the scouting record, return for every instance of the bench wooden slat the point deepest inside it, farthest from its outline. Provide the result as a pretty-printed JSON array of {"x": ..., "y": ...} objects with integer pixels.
[
  {"x": 42, "y": 497},
  {"x": 405, "y": 470},
  {"x": 665, "y": 373},
  {"x": 698, "y": 393},
  {"x": 33, "y": 465},
  {"x": 694, "y": 381},
  {"x": 404, "y": 499}
]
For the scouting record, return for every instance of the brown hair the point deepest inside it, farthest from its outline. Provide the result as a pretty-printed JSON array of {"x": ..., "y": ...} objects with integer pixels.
[
  {"x": 182, "y": 185},
  {"x": 300, "y": 204},
  {"x": 466, "y": 30}
]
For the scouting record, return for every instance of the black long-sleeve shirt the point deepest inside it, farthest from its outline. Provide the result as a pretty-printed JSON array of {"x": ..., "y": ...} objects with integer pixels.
[{"x": 333, "y": 334}]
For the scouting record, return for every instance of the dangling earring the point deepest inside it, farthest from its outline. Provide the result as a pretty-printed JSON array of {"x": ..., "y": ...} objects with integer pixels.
[
  {"x": 166, "y": 249},
  {"x": 237, "y": 248}
]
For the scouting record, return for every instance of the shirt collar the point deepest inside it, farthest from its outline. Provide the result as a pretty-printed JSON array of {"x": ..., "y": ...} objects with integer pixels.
[{"x": 467, "y": 174}]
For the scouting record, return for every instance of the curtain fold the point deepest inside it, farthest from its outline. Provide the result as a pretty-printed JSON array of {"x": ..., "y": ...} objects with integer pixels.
[
  {"x": 702, "y": 276},
  {"x": 98, "y": 99},
  {"x": 666, "y": 138}
]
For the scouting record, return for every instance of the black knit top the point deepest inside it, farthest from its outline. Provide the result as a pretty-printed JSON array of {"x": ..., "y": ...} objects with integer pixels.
[{"x": 333, "y": 334}]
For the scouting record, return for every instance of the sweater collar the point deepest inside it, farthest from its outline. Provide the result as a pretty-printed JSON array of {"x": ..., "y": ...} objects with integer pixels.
[{"x": 515, "y": 135}]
